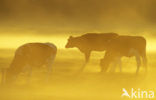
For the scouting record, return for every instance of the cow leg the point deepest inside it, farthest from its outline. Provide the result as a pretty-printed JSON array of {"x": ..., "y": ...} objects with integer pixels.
[
  {"x": 137, "y": 57},
  {"x": 49, "y": 67},
  {"x": 87, "y": 56},
  {"x": 144, "y": 59},
  {"x": 27, "y": 69},
  {"x": 3, "y": 76},
  {"x": 114, "y": 66},
  {"x": 120, "y": 64},
  {"x": 138, "y": 63},
  {"x": 29, "y": 74},
  {"x": 117, "y": 61}
]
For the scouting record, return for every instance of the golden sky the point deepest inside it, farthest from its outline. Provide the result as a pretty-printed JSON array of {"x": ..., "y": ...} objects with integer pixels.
[
  {"x": 63, "y": 16},
  {"x": 35, "y": 20}
]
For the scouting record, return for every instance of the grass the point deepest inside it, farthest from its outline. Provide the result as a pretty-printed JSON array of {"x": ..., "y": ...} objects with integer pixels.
[{"x": 67, "y": 83}]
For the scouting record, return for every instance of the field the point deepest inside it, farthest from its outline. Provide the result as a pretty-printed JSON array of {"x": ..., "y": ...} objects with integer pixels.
[
  {"x": 57, "y": 21},
  {"x": 67, "y": 83}
]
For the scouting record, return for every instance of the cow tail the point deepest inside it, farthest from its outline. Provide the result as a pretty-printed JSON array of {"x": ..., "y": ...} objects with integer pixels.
[{"x": 144, "y": 57}]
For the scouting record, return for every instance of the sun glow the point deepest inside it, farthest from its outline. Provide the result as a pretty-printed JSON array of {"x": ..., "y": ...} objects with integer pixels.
[{"x": 14, "y": 41}]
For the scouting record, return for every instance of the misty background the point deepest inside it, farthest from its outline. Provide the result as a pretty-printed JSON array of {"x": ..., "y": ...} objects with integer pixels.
[
  {"x": 25, "y": 21},
  {"x": 78, "y": 16}
]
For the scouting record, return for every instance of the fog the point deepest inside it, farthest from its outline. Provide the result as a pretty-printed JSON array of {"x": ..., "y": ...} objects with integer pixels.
[
  {"x": 77, "y": 16},
  {"x": 25, "y": 21},
  {"x": 67, "y": 83}
]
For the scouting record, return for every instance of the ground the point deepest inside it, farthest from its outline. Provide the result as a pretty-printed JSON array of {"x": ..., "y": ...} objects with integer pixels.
[{"x": 67, "y": 83}]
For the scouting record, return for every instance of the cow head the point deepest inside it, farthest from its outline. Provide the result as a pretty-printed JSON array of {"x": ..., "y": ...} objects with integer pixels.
[
  {"x": 10, "y": 76},
  {"x": 70, "y": 43},
  {"x": 105, "y": 62}
]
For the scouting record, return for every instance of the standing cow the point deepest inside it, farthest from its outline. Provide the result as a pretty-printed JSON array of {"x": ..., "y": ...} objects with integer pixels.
[
  {"x": 125, "y": 46},
  {"x": 90, "y": 42},
  {"x": 29, "y": 56}
]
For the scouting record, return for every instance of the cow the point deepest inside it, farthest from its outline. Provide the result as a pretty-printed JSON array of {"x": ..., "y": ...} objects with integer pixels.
[
  {"x": 127, "y": 46},
  {"x": 29, "y": 56},
  {"x": 90, "y": 42}
]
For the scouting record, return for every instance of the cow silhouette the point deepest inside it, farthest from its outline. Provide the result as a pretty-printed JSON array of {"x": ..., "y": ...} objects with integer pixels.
[
  {"x": 124, "y": 46},
  {"x": 29, "y": 56},
  {"x": 90, "y": 42}
]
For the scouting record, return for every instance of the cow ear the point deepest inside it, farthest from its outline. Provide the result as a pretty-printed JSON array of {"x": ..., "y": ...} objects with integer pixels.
[
  {"x": 71, "y": 37},
  {"x": 101, "y": 60}
]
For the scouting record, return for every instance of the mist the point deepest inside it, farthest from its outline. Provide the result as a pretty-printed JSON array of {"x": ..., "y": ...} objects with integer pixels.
[
  {"x": 54, "y": 21},
  {"x": 78, "y": 16}
]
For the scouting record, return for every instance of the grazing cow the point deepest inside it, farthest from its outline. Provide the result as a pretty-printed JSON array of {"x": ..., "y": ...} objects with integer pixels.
[
  {"x": 90, "y": 42},
  {"x": 31, "y": 55},
  {"x": 125, "y": 46}
]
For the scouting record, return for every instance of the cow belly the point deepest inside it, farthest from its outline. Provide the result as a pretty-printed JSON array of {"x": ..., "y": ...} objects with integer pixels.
[{"x": 129, "y": 53}]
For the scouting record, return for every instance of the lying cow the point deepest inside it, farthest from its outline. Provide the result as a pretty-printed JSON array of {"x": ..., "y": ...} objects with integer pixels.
[
  {"x": 90, "y": 42},
  {"x": 31, "y": 55},
  {"x": 125, "y": 46}
]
